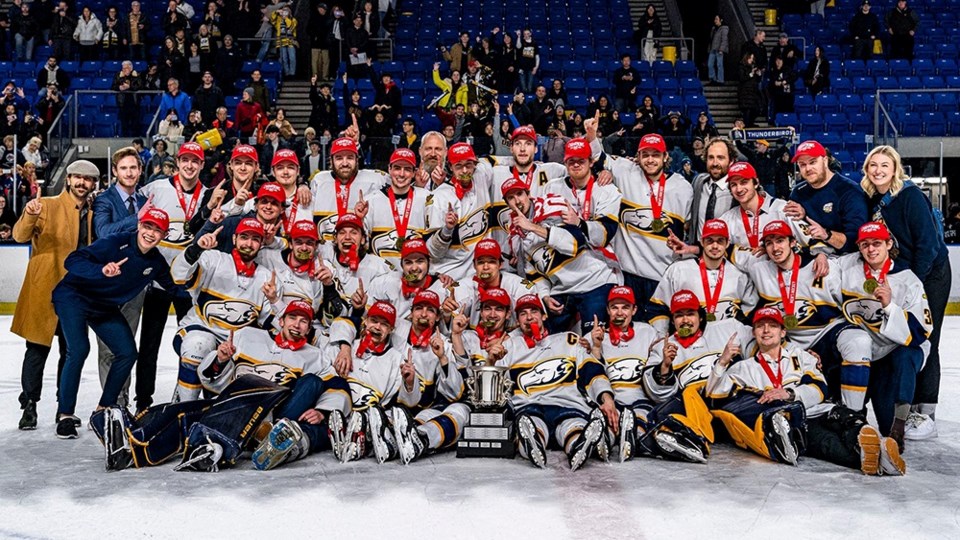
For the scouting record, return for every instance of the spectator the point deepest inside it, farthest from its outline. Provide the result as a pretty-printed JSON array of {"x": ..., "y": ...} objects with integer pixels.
[
  {"x": 459, "y": 55},
  {"x": 88, "y": 34},
  {"x": 173, "y": 20},
  {"x": 646, "y": 117},
  {"x": 816, "y": 7},
  {"x": 698, "y": 157},
  {"x": 174, "y": 99},
  {"x": 387, "y": 96},
  {"x": 312, "y": 162},
  {"x": 323, "y": 108},
  {"x": 759, "y": 50},
  {"x": 321, "y": 26},
  {"x": 126, "y": 83},
  {"x": 372, "y": 23},
  {"x": 453, "y": 120},
  {"x": 6, "y": 231},
  {"x": 528, "y": 59},
  {"x": 223, "y": 124},
  {"x": 377, "y": 139},
  {"x": 557, "y": 94},
  {"x": 13, "y": 95},
  {"x": 48, "y": 108},
  {"x": 355, "y": 42},
  {"x": 454, "y": 90},
  {"x": 786, "y": 50},
  {"x": 229, "y": 61},
  {"x": 864, "y": 28},
  {"x": 114, "y": 35},
  {"x": 25, "y": 30},
  {"x": 27, "y": 185},
  {"x": 285, "y": 32},
  {"x": 7, "y": 216},
  {"x": 951, "y": 229},
  {"x": 270, "y": 146},
  {"x": 194, "y": 126},
  {"x": 541, "y": 111},
  {"x": 151, "y": 79},
  {"x": 605, "y": 108},
  {"x": 486, "y": 53},
  {"x": 10, "y": 124},
  {"x": 142, "y": 150},
  {"x": 261, "y": 94},
  {"x": 748, "y": 95},
  {"x": 816, "y": 77},
  {"x": 61, "y": 32},
  {"x": 213, "y": 20},
  {"x": 354, "y": 108},
  {"x": 649, "y": 29},
  {"x": 674, "y": 128},
  {"x": 159, "y": 156},
  {"x": 171, "y": 128},
  {"x": 207, "y": 46},
  {"x": 703, "y": 129},
  {"x": 8, "y": 156},
  {"x": 552, "y": 150},
  {"x": 137, "y": 28},
  {"x": 287, "y": 132},
  {"x": 506, "y": 66},
  {"x": 194, "y": 66},
  {"x": 208, "y": 96},
  {"x": 172, "y": 64},
  {"x": 575, "y": 127},
  {"x": 766, "y": 162},
  {"x": 719, "y": 46},
  {"x": 781, "y": 86},
  {"x": 52, "y": 73},
  {"x": 687, "y": 170},
  {"x": 186, "y": 9},
  {"x": 408, "y": 136},
  {"x": 338, "y": 30},
  {"x": 28, "y": 127},
  {"x": 902, "y": 24},
  {"x": 625, "y": 81},
  {"x": 250, "y": 115}
]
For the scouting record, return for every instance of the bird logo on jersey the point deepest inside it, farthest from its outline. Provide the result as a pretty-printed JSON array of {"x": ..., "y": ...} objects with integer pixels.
[
  {"x": 229, "y": 313},
  {"x": 385, "y": 242},
  {"x": 473, "y": 227},
  {"x": 542, "y": 258},
  {"x": 727, "y": 309},
  {"x": 864, "y": 311},
  {"x": 277, "y": 373},
  {"x": 640, "y": 220},
  {"x": 626, "y": 371},
  {"x": 545, "y": 375},
  {"x": 697, "y": 370},
  {"x": 326, "y": 224},
  {"x": 804, "y": 309},
  {"x": 177, "y": 234},
  {"x": 363, "y": 396}
]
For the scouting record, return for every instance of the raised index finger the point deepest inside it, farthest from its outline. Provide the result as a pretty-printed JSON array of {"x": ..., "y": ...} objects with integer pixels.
[{"x": 121, "y": 261}]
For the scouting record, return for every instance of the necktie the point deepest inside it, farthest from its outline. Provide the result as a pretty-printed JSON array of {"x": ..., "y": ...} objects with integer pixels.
[
  {"x": 131, "y": 208},
  {"x": 711, "y": 202}
]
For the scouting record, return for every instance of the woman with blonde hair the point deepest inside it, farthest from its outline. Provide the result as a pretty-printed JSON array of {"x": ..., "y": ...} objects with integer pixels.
[{"x": 908, "y": 214}]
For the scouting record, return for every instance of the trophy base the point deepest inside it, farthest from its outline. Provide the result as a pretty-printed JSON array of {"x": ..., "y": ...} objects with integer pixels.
[{"x": 484, "y": 438}]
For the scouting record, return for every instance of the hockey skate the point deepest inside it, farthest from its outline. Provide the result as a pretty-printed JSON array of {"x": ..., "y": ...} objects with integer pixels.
[
  {"x": 586, "y": 443},
  {"x": 784, "y": 445},
  {"x": 204, "y": 458},
  {"x": 891, "y": 462},
  {"x": 530, "y": 441},
  {"x": 384, "y": 447},
  {"x": 628, "y": 434},
  {"x": 285, "y": 442},
  {"x": 355, "y": 437},
  {"x": 678, "y": 445},
  {"x": 336, "y": 425},
  {"x": 116, "y": 444},
  {"x": 603, "y": 447},
  {"x": 410, "y": 442},
  {"x": 869, "y": 441}
]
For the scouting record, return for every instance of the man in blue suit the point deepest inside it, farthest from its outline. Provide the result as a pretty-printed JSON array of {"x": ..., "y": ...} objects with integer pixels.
[{"x": 117, "y": 210}]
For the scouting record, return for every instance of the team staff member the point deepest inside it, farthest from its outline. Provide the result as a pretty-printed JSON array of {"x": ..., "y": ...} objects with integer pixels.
[
  {"x": 711, "y": 195},
  {"x": 100, "y": 278},
  {"x": 55, "y": 227}
]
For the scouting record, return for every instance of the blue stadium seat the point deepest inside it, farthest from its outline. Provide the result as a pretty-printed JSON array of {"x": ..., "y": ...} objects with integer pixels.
[
  {"x": 910, "y": 83},
  {"x": 575, "y": 84},
  {"x": 572, "y": 68},
  {"x": 877, "y": 68},
  {"x": 934, "y": 124},
  {"x": 595, "y": 69},
  {"x": 394, "y": 68},
  {"x": 827, "y": 103},
  {"x": 910, "y": 124},
  {"x": 577, "y": 99},
  {"x": 900, "y": 68},
  {"x": 946, "y": 67},
  {"x": 668, "y": 84},
  {"x": 855, "y": 141},
  {"x": 899, "y": 101},
  {"x": 887, "y": 83},
  {"x": 953, "y": 121},
  {"x": 854, "y": 68},
  {"x": 695, "y": 103},
  {"x": 598, "y": 85},
  {"x": 811, "y": 122},
  {"x": 662, "y": 68},
  {"x": 836, "y": 122},
  {"x": 829, "y": 139},
  {"x": 850, "y": 103},
  {"x": 840, "y": 85},
  {"x": 686, "y": 68},
  {"x": 933, "y": 81},
  {"x": 230, "y": 102},
  {"x": 691, "y": 85},
  {"x": 804, "y": 103},
  {"x": 787, "y": 119},
  {"x": 864, "y": 84},
  {"x": 945, "y": 101},
  {"x": 922, "y": 102},
  {"x": 924, "y": 67},
  {"x": 671, "y": 102}
]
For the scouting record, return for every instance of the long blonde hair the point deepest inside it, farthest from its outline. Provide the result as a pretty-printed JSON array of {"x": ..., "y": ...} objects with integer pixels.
[{"x": 898, "y": 174}]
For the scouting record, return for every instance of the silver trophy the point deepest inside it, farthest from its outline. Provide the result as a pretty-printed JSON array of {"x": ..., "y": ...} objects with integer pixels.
[{"x": 488, "y": 433}]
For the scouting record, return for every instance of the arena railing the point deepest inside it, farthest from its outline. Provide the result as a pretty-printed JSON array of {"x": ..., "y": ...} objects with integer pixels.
[{"x": 76, "y": 109}]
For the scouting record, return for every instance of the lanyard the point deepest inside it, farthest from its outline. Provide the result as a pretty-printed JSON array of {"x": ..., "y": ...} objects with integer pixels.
[
  {"x": 711, "y": 298},
  {"x": 585, "y": 204},
  {"x": 883, "y": 270},
  {"x": 776, "y": 381},
  {"x": 343, "y": 197},
  {"x": 188, "y": 211},
  {"x": 753, "y": 232},
  {"x": 656, "y": 200}
]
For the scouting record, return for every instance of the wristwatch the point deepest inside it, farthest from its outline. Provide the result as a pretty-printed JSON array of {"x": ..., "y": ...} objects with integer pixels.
[{"x": 793, "y": 395}]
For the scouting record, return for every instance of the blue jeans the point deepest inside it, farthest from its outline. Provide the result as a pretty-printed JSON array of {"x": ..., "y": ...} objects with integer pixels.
[
  {"x": 288, "y": 59},
  {"x": 937, "y": 287},
  {"x": 264, "y": 49},
  {"x": 23, "y": 47},
  {"x": 893, "y": 379},
  {"x": 586, "y": 305},
  {"x": 526, "y": 81},
  {"x": 715, "y": 66},
  {"x": 107, "y": 322},
  {"x": 306, "y": 392}
]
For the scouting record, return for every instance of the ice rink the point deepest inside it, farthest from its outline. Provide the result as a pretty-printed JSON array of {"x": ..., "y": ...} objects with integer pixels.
[{"x": 58, "y": 489}]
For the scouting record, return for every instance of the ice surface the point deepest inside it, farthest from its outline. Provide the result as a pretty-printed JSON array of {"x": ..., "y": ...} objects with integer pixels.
[{"x": 58, "y": 489}]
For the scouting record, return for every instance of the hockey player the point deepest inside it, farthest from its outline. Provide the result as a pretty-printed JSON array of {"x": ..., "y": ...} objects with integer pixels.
[
  {"x": 887, "y": 301},
  {"x": 100, "y": 278},
  {"x": 482, "y": 345},
  {"x": 773, "y": 392},
  {"x": 352, "y": 263},
  {"x": 812, "y": 311},
  {"x": 338, "y": 190},
  {"x": 227, "y": 295},
  {"x": 653, "y": 207},
  {"x": 267, "y": 209},
  {"x": 553, "y": 376},
  {"x": 415, "y": 276},
  {"x": 428, "y": 415},
  {"x": 295, "y": 202},
  {"x": 243, "y": 170},
  {"x": 374, "y": 378},
  {"x": 467, "y": 195},
  {"x": 646, "y": 427},
  {"x": 724, "y": 291}
]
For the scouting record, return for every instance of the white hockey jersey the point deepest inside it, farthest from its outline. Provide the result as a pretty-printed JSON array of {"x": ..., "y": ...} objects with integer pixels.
[
  {"x": 436, "y": 385},
  {"x": 291, "y": 285},
  {"x": 537, "y": 178},
  {"x": 456, "y": 259},
  {"x": 771, "y": 209},
  {"x": 390, "y": 290},
  {"x": 737, "y": 293},
  {"x": 382, "y": 229},
  {"x": 324, "y": 190},
  {"x": 467, "y": 294},
  {"x": 475, "y": 355},
  {"x": 556, "y": 371},
  {"x": 375, "y": 378},
  {"x": 625, "y": 361},
  {"x": 165, "y": 197}
]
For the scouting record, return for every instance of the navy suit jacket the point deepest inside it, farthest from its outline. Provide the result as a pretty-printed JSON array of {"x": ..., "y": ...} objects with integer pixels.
[{"x": 110, "y": 215}]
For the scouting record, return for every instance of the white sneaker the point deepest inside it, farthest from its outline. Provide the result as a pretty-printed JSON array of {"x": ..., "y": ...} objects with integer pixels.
[{"x": 920, "y": 427}]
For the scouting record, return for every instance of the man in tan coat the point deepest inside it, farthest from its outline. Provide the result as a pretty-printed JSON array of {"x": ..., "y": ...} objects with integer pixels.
[{"x": 55, "y": 227}]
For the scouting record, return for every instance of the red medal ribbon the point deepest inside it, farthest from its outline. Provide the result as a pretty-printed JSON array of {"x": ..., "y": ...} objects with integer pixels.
[
  {"x": 789, "y": 296},
  {"x": 656, "y": 200},
  {"x": 778, "y": 380},
  {"x": 188, "y": 211},
  {"x": 297, "y": 266},
  {"x": 485, "y": 338},
  {"x": 422, "y": 340},
  {"x": 753, "y": 233},
  {"x": 585, "y": 204},
  {"x": 293, "y": 214},
  {"x": 688, "y": 341},
  {"x": 343, "y": 196},
  {"x": 459, "y": 188},
  {"x": 351, "y": 258},
  {"x": 293, "y": 345},
  {"x": 617, "y": 334},
  {"x": 529, "y": 175},
  {"x": 711, "y": 298},
  {"x": 243, "y": 269},
  {"x": 401, "y": 222},
  {"x": 883, "y": 270}
]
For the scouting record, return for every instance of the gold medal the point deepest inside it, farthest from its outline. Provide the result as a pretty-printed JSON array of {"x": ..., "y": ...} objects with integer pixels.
[
  {"x": 870, "y": 285},
  {"x": 711, "y": 317},
  {"x": 791, "y": 322},
  {"x": 400, "y": 244},
  {"x": 685, "y": 332},
  {"x": 658, "y": 225}
]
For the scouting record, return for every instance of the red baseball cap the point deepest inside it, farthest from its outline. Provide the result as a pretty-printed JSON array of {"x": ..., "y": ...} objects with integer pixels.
[
  {"x": 244, "y": 151},
  {"x": 652, "y": 141},
  {"x": 809, "y": 148},
  {"x": 344, "y": 144},
  {"x": 299, "y": 307},
  {"x": 622, "y": 292},
  {"x": 683, "y": 300},
  {"x": 513, "y": 184},
  {"x": 495, "y": 295},
  {"x": 403, "y": 155},
  {"x": 426, "y": 296},
  {"x": 272, "y": 190},
  {"x": 349, "y": 220},
  {"x": 768, "y": 312},
  {"x": 776, "y": 228},
  {"x": 285, "y": 154},
  {"x": 873, "y": 230},
  {"x": 487, "y": 247},
  {"x": 190, "y": 149},
  {"x": 250, "y": 225},
  {"x": 715, "y": 227},
  {"x": 529, "y": 301},
  {"x": 158, "y": 217},
  {"x": 524, "y": 132},
  {"x": 742, "y": 169},
  {"x": 577, "y": 148},
  {"x": 304, "y": 229},
  {"x": 412, "y": 246},
  {"x": 460, "y": 152},
  {"x": 383, "y": 310}
]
